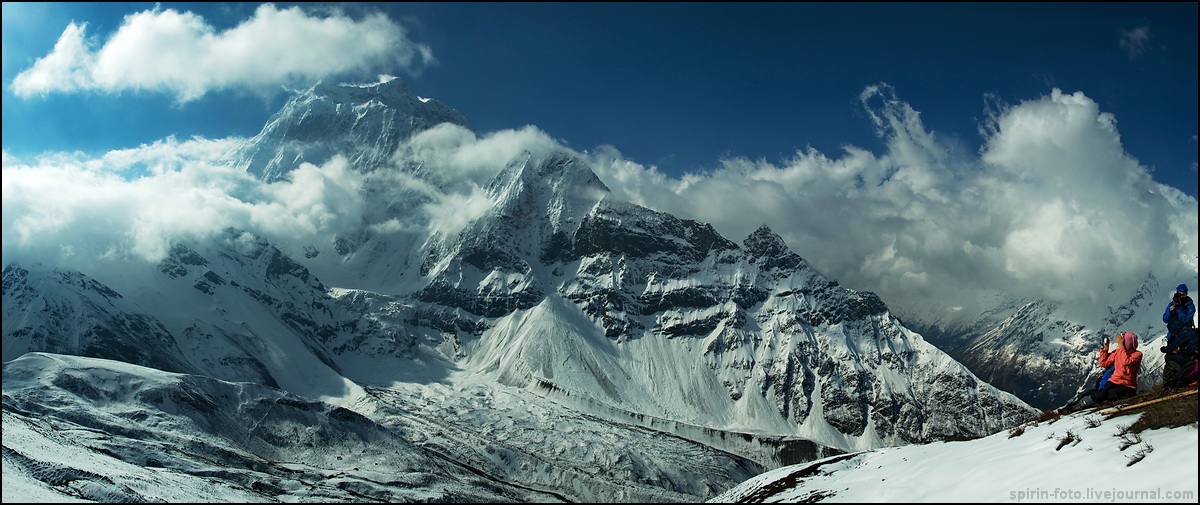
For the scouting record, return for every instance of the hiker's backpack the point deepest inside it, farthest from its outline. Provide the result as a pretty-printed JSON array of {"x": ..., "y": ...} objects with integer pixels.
[
  {"x": 1187, "y": 375},
  {"x": 1187, "y": 340}
]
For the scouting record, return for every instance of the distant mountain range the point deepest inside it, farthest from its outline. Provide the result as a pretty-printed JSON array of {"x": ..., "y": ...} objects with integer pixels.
[
  {"x": 549, "y": 342},
  {"x": 1046, "y": 351}
]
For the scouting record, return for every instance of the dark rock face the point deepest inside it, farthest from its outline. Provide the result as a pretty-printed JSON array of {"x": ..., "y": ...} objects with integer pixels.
[
  {"x": 486, "y": 304},
  {"x": 770, "y": 252},
  {"x": 682, "y": 241},
  {"x": 179, "y": 259}
]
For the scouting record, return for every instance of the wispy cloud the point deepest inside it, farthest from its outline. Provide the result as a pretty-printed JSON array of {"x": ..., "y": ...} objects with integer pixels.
[
  {"x": 1136, "y": 42},
  {"x": 181, "y": 54}
]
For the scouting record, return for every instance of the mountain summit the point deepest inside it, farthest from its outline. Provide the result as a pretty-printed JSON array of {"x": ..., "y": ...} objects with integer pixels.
[{"x": 367, "y": 122}]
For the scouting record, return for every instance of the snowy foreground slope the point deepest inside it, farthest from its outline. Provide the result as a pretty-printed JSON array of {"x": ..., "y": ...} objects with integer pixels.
[
  {"x": 103, "y": 430},
  {"x": 1083, "y": 457}
]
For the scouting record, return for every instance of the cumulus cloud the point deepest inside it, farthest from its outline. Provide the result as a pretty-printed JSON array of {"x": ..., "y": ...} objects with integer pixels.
[
  {"x": 462, "y": 158},
  {"x": 66, "y": 210},
  {"x": 72, "y": 211},
  {"x": 1052, "y": 207},
  {"x": 181, "y": 54}
]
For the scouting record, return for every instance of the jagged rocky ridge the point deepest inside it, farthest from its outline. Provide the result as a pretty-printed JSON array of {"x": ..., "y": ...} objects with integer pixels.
[{"x": 610, "y": 308}]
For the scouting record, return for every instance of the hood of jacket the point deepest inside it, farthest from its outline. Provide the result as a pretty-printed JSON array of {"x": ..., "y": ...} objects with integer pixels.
[{"x": 1130, "y": 340}]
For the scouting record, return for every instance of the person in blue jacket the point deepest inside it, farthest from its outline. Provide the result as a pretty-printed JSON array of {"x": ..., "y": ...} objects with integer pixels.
[{"x": 1181, "y": 345}]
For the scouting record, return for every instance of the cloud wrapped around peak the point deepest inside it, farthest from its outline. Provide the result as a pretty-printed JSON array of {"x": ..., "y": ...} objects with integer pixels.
[
  {"x": 74, "y": 211},
  {"x": 1051, "y": 208},
  {"x": 181, "y": 54}
]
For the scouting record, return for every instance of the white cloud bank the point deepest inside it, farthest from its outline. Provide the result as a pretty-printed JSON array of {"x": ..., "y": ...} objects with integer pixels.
[
  {"x": 132, "y": 204},
  {"x": 1051, "y": 208},
  {"x": 179, "y": 53},
  {"x": 67, "y": 210}
]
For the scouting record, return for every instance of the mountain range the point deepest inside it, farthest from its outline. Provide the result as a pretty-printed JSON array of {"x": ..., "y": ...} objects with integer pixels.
[{"x": 542, "y": 341}]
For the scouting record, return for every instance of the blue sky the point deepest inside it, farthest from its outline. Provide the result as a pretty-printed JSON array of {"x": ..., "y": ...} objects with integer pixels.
[{"x": 676, "y": 86}]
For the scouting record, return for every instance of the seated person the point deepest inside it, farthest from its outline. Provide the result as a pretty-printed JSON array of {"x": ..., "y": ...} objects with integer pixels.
[{"x": 1126, "y": 360}]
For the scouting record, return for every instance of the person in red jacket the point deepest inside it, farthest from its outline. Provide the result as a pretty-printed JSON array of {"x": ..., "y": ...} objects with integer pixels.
[{"x": 1126, "y": 360}]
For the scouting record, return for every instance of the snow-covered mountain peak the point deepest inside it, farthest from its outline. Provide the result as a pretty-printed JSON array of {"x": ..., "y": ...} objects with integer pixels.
[
  {"x": 364, "y": 122},
  {"x": 394, "y": 93},
  {"x": 764, "y": 241},
  {"x": 768, "y": 248},
  {"x": 555, "y": 170},
  {"x": 559, "y": 185}
]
